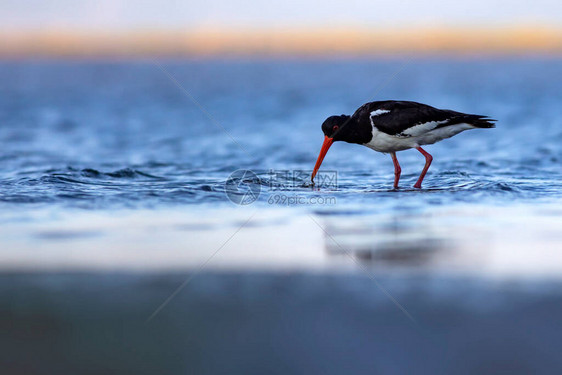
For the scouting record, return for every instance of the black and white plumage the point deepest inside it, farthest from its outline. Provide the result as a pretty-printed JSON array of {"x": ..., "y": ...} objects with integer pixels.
[{"x": 390, "y": 126}]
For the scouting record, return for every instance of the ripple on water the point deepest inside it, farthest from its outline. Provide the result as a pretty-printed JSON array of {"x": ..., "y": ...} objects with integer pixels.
[{"x": 168, "y": 153}]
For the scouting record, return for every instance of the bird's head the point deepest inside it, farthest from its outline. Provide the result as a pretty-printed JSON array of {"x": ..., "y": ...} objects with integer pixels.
[{"x": 335, "y": 128}]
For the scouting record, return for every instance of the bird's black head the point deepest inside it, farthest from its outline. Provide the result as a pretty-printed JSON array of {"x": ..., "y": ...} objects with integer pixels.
[
  {"x": 337, "y": 127},
  {"x": 342, "y": 128}
]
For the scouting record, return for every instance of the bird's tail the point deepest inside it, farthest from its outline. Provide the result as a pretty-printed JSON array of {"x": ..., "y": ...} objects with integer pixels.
[{"x": 480, "y": 121}]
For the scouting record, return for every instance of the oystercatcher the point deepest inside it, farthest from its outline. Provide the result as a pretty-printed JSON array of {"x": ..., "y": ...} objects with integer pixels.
[{"x": 390, "y": 126}]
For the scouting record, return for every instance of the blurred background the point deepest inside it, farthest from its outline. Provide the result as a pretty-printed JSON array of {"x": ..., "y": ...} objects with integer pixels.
[
  {"x": 132, "y": 28},
  {"x": 124, "y": 246}
]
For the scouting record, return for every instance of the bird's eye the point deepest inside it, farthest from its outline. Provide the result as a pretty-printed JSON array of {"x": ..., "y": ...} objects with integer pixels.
[{"x": 335, "y": 128}]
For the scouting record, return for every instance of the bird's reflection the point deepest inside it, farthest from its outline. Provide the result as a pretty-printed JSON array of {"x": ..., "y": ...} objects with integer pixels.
[{"x": 399, "y": 239}]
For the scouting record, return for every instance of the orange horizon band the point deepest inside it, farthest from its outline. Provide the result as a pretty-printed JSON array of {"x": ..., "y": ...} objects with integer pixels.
[{"x": 308, "y": 42}]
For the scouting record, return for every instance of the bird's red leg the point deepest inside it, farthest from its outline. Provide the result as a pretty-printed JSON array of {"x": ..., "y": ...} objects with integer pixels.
[
  {"x": 397, "y": 169},
  {"x": 428, "y": 160}
]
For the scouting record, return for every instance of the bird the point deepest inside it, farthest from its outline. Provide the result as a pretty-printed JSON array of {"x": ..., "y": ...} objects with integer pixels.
[{"x": 394, "y": 125}]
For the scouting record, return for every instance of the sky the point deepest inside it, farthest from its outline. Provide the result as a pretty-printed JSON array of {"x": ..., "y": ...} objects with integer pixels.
[{"x": 23, "y": 15}]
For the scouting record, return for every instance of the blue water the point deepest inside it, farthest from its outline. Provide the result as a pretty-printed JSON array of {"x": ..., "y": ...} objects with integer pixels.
[
  {"x": 472, "y": 258},
  {"x": 122, "y": 134}
]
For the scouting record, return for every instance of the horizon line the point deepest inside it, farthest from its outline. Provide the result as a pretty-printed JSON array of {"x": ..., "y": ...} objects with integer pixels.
[{"x": 503, "y": 40}]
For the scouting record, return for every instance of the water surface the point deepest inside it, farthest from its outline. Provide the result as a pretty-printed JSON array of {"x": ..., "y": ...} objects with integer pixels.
[
  {"x": 106, "y": 135},
  {"x": 119, "y": 248}
]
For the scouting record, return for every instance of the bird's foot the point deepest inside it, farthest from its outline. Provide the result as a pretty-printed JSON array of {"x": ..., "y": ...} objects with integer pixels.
[{"x": 417, "y": 185}]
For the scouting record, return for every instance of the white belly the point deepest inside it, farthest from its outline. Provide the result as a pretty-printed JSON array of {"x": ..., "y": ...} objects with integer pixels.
[{"x": 383, "y": 142}]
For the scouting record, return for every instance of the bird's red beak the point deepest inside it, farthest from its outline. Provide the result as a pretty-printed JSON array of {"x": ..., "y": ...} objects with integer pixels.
[{"x": 323, "y": 151}]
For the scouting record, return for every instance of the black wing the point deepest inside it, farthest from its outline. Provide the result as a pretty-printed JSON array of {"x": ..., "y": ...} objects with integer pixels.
[{"x": 395, "y": 117}]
